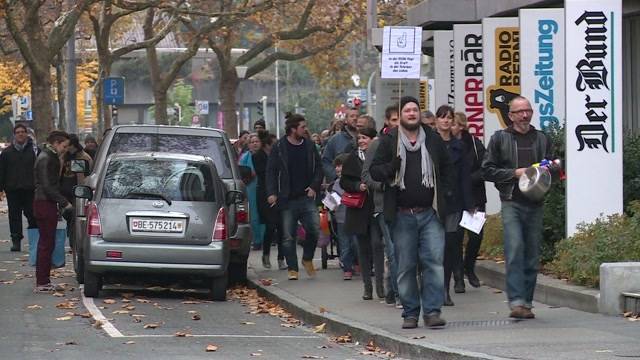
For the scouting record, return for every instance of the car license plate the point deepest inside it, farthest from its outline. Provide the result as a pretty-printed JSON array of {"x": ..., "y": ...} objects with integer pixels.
[{"x": 157, "y": 226}]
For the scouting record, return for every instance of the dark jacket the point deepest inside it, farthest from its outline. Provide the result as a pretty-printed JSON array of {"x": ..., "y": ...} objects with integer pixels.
[
  {"x": 268, "y": 214},
  {"x": 339, "y": 143},
  {"x": 475, "y": 155},
  {"x": 47, "y": 177},
  {"x": 382, "y": 170},
  {"x": 357, "y": 220},
  {"x": 278, "y": 170},
  {"x": 501, "y": 159},
  {"x": 461, "y": 198},
  {"x": 16, "y": 167}
]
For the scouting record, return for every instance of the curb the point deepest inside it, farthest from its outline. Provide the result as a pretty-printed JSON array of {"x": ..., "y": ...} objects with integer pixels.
[
  {"x": 549, "y": 291},
  {"x": 362, "y": 333}
]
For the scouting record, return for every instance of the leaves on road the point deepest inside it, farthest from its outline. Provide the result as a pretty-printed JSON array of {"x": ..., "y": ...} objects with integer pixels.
[
  {"x": 34, "y": 307},
  {"x": 182, "y": 334},
  {"x": 143, "y": 301},
  {"x": 196, "y": 317},
  {"x": 64, "y": 318},
  {"x": 313, "y": 357},
  {"x": 67, "y": 305},
  {"x": 130, "y": 342},
  {"x": 211, "y": 348},
  {"x": 320, "y": 328},
  {"x": 109, "y": 301},
  {"x": 256, "y": 353},
  {"x": 343, "y": 339},
  {"x": 121, "y": 312},
  {"x": 151, "y": 326},
  {"x": 247, "y": 323},
  {"x": 266, "y": 282}
]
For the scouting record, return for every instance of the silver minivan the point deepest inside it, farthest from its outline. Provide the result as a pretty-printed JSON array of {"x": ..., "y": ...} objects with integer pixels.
[{"x": 157, "y": 213}]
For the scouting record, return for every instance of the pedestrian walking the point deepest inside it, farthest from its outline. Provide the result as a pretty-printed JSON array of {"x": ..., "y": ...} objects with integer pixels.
[
  {"x": 70, "y": 179},
  {"x": 17, "y": 183},
  {"x": 391, "y": 120},
  {"x": 242, "y": 144},
  {"x": 269, "y": 215},
  {"x": 90, "y": 146},
  {"x": 413, "y": 162},
  {"x": 294, "y": 175},
  {"x": 429, "y": 119},
  {"x": 346, "y": 242},
  {"x": 460, "y": 200},
  {"x": 361, "y": 221},
  {"x": 475, "y": 153},
  {"x": 509, "y": 153},
  {"x": 48, "y": 197},
  {"x": 343, "y": 141},
  {"x": 257, "y": 226}
]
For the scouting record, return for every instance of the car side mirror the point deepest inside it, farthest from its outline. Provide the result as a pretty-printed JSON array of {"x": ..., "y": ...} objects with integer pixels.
[
  {"x": 83, "y": 192},
  {"x": 79, "y": 166},
  {"x": 234, "y": 197}
]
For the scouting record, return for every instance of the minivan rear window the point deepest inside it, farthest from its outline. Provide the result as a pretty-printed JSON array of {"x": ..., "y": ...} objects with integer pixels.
[
  {"x": 213, "y": 147},
  {"x": 175, "y": 180}
]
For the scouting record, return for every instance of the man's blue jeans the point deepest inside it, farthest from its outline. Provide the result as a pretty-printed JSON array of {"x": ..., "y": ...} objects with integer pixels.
[
  {"x": 301, "y": 209},
  {"x": 391, "y": 254},
  {"x": 522, "y": 238},
  {"x": 419, "y": 238}
]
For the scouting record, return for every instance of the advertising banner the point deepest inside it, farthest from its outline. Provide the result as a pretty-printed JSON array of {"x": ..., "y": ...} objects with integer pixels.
[
  {"x": 444, "y": 66},
  {"x": 468, "y": 75},
  {"x": 593, "y": 72},
  {"x": 431, "y": 97},
  {"x": 542, "y": 65},
  {"x": 501, "y": 54}
]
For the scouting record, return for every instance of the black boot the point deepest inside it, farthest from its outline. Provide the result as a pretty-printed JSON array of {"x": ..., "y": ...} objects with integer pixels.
[
  {"x": 379, "y": 289},
  {"x": 368, "y": 292},
  {"x": 15, "y": 244},
  {"x": 447, "y": 299}
]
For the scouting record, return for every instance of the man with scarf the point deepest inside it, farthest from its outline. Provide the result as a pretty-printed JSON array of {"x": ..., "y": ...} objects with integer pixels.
[
  {"x": 16, "y": 181},
  {"x": 413, "y": 161}
]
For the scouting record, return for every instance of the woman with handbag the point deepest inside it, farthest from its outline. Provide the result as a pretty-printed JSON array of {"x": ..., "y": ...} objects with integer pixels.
[
  {"x": 246, "y": 159},
  {"x": 358, "y": 198}
]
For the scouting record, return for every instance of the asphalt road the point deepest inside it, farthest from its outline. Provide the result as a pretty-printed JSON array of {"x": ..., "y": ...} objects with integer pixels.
[{"x": 146, "y": 321}]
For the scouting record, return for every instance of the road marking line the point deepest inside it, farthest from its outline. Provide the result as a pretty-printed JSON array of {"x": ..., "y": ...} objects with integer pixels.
[
  {"x": 239, "y": 336},
  {"x": 107, "y": 326}
]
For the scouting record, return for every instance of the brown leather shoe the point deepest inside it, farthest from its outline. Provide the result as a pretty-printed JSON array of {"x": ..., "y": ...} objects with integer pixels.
[
  {"x": 529, "y": 314},
  {"x": 519, "y": 312},
  {"x": 409, "y": 323}
]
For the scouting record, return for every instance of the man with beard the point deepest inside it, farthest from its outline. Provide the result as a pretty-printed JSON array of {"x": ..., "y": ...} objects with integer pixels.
[
  {"x": 341, "y": 142},
  {"x": 16, "y": 181},
  {"x": 413, "y": 162}
]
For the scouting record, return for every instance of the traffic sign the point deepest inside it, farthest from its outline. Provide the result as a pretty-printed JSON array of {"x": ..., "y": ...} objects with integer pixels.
[
  {"x": 28, "y": 115},
  {"x": 113, "y": 91}
]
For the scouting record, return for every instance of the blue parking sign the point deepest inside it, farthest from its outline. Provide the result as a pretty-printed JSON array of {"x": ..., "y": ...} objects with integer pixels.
[{"x": 113, "y": 91}]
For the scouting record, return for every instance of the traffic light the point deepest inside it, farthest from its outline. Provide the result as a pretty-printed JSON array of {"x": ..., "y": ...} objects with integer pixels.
[
  {"x": 259, "y": 107},
  {"x": 114, "y": 114}
]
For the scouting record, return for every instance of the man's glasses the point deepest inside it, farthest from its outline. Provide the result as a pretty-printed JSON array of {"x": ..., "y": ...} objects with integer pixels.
[{"x": 522, "y": 112}]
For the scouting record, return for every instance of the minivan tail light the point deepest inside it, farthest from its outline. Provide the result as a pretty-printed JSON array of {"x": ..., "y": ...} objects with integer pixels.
[
  {"x": 242, "y": 215},
  {"x": 94, "y": 227},
  {"x": 220, "y": 226}
]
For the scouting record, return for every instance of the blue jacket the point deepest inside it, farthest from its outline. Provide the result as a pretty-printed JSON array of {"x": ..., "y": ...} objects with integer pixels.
[{"x": 339, "y": 143}]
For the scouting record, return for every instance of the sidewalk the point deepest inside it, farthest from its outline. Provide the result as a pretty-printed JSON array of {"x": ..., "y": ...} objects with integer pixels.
[{"x": 478, "y": 326}]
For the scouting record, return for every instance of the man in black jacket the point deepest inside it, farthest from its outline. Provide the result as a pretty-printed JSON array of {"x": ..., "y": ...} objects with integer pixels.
[
  {"x": 510, "y": 152},
  {"x": 294, "y": 175},
  {"x": 16, "y": 181},
  {"x": 413, "y": 161}
]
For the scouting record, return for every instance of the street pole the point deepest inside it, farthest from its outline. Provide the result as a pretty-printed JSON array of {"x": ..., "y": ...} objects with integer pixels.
[
  {"x": 277, "y": 100},
  {"x": 71, "y": 83}
]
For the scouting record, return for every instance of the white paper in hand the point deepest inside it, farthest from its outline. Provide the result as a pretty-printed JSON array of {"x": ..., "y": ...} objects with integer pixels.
[
  {"x": 330, "y": 201},
  {"x": 473, "y": 222}
]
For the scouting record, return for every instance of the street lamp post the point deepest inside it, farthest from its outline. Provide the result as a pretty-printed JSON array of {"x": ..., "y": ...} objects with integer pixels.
[{"x": 241, "y": 72}]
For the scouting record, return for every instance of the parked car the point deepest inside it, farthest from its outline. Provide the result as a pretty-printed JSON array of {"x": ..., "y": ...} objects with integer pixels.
[
  {"x": 157, "y": 213},
  {"x": 212, "y": 143}
]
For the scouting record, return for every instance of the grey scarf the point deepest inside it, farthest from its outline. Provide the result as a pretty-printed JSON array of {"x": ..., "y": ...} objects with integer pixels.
[
  {"x": 19, "y": 147},
  {"x": 427, "y": 166}
]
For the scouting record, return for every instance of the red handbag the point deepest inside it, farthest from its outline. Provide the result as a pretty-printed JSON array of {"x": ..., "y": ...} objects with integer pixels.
[{"x": 353, "y": 200}]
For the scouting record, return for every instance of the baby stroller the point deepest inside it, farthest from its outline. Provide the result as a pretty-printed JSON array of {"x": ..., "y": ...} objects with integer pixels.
[{"x": 330, "y": 248}]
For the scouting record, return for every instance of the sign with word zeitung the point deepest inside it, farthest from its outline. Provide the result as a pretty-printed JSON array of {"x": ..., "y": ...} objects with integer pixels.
[
  {"x": 444, "y": 66},
  {"x": 593, "y": 72},
  {"x": 542, "y": 65},
  {"x": 467, "y": 42},
  {"x": 401, "y": 52},
  {"x": 501, "y": 54}
]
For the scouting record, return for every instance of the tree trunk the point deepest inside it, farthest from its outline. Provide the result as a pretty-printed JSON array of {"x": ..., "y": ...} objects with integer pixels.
[
  {"x": 60, "y": 90},
  {"x": 227, "y": 89},
  {"x": 41, "y": 103},
  {"x": 160, "y": 99},
  {"x": 104, "y": 116}
]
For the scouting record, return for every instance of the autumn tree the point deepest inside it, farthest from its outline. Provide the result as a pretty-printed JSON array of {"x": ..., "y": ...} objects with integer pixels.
[
  {"x": 39, "y": 30},
  {"x": 288, "y": 31}
]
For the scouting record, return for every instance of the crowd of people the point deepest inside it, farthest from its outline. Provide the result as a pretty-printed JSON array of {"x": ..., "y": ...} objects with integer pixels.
[
  {"x": 38, "y": 183},
  {"x": 403, "y": 190}
]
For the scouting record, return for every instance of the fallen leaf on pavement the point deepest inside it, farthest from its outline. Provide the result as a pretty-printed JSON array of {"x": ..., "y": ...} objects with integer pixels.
[
  {"x": 191, "y": 302},
  {"x": 604, "y": 351},
  {"x": 156, "y": 288},
  {"x": 211, "y": 348},
  {"x": 109, "y": 301},
  {"x": 322, "y": 310},
  {"x": 130, "y": 342},
  {"x": 370, "y": 346},
  {"x": 151, "y": 326},
  {"x": 143, "y": 301},
  {"x": 7, "y": 282},
  {"x": 121, "y": 312},
  {"x": 192, "y": 312},
  {"x": 64, "y": 318},
  {"x": 58, "y": 294},
  {"x": 180, "y": 334},
  {"x": 71, "y": 343},
  {"x": 127, "y": 295},
  {"x": 320, "y": 328},
  {"x": 634, "y": 318},
  {"x": 247, "y": 323},
  {"x": 343, "y": 339},
  {"x": 34, "y": 307},
  {"x": 419, "y": 337},
  {"x": 497, "y": 291},
  {"x": 84, "y": 315},
  {"x": 287, "y": 325},
  {"x": 266, "y": 282},
  {"x": 628, "y": 314},
  {"x": 66, "y": 305},
  {"x": 98, "y": 324},
  {"x": 256, "y": 354},
  {"x": 312, "y": 357},
  {"x": 500, "y": 262},
  {"x": 128, "y": 307},
  {"x": 196, "y": 317}
]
